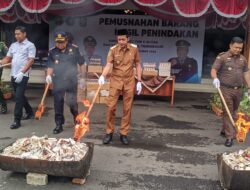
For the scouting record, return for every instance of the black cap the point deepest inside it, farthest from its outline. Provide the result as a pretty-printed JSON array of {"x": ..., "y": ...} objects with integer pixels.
[
  {"x": 60, "y": 36},
  {"x": 122, "y": 32},
  {"x": 90, "y": 41},
  {"x": 182, "y": 43}
]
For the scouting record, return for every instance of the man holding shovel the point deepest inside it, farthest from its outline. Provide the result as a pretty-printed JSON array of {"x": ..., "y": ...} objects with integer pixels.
[
  {"x": 63, "y": 63},
  {"x": 229, "y": 71},
  {"x": 122, "y": 58}
]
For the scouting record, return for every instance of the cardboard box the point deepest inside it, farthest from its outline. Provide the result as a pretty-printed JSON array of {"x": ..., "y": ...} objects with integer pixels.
[
  {"x": 103, "y": 99},
  {"x": 146, "y": 72},
  {"x": 92, "y": 85},
  {"x": 95, "y": 68},
  {"x": 81, "y": 94},
  {"x": 105, "y": 86},
  {"x": 90, "y": 95},
  {"x": 164, "y": 69}
]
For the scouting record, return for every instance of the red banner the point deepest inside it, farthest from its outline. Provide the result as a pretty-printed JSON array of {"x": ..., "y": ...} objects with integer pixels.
[
  {"x": 191, "y": 8},
  {"x": 72, "y": 1},
  {"x": 110, "y": 2},
  {"x": 34, "y": 6},
  {"x": 230, "y": 8},
  {"x": 150, "y": 2},
  {"x": 6, "y": 5}
]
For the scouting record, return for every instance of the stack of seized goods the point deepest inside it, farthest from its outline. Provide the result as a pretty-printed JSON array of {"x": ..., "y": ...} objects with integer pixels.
[
  {"x": 92, "y": 86},
  {"x": 164, "y": 69},
  {"x": 104, "y": 93},
  {"x": 81, "y": 92},
  {"x": 234, "y": 170},
  {"x": 58, "y": 157},
  {"x": 95, "y": 65},
  {"x": 149, "y": 69}
]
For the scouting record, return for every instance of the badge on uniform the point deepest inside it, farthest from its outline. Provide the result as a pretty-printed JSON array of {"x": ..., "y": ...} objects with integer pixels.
[
  {"x": 56, "y": 61},
  {"x": 229, "y": 68}
]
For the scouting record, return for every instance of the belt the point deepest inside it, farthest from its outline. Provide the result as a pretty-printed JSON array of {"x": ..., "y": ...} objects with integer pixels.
[{"x": 230, "y": 86}]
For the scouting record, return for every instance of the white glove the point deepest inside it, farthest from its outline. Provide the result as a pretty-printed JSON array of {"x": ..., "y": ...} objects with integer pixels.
[
  {"x": 138, "y": 88},
  {"x": 216, "y": 83},
  {"x": 101, "y": 80},
  {"x": 19, "y": 77},
  {"x": 48, "y": 79},
  {"x": 81, "y": 83}
]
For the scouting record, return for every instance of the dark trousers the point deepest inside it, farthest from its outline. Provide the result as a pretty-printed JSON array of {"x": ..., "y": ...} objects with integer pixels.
[
  {"x": 20, "y": 99},
  {"x": 232, "y": 98},
  {"x": 2, "y": 101},
  {"x": 71, "y": 100}
]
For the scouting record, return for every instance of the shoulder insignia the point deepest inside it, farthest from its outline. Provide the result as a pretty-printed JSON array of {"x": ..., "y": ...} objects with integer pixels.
[
  {"x": 52, "y": 48},
  {"x": 220, "y": 54},
  {"x": 74, "y": 45},
  {"x": 113, "y": 46},
  {"x": 134, "y": 45}
]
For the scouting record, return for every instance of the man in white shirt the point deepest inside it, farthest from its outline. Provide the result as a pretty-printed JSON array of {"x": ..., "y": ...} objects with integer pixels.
[{"x": 21, "y": 55}]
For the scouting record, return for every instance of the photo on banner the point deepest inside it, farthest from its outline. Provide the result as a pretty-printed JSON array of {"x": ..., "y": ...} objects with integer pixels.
[{"x": 178, "y": 42}]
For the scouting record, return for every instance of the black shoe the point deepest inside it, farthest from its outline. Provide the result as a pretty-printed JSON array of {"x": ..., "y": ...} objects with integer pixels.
[
  {"x": 4, "y": 108},
  {"x": 223, "y": 134},
  {"x": 15, "y": 125},
  {"x": 229, "y": 143},
  {"x": 124, "y": 139},
  {"x": 58, "y": 129},
  {"x": 28, "y": 116},
  {"x": 108, "y": 138}
]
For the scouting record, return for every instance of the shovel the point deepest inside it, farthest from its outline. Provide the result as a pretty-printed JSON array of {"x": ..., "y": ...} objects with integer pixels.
[
  {"x": 40, "y": 109},
  {"x": 81, "y": 129},
  {"x": 226, "y": 107}
]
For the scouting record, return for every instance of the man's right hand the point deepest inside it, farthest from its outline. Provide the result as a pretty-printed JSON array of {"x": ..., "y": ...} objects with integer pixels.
[
  {"x": 48, "y": 79},
  {"x": 101, "y": 80},
  {"x": 216, "y": 83}
]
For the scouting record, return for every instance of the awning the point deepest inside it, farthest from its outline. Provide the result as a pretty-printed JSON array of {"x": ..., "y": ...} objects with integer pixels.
[
  {"x": 164, "y": 9},
  {"x": 186, "y": 8}
]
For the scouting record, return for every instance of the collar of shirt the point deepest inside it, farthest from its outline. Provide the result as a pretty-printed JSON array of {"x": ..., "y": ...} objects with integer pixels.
[
  {"x": 231, "y": 55},
  {"x": 25, "y": 41},
  {"x": 123, "y": 48}
]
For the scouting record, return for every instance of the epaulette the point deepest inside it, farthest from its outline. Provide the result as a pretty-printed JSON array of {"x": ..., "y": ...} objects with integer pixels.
[
  {"x": 222, "y": 53},
  {"x": 74, "y": 45},
  {"x": 113, "y": 46},
  {"x": 52, "y": 48},
  {"x": 134, "y": 45},
  {"x": 218, "y": 57}
]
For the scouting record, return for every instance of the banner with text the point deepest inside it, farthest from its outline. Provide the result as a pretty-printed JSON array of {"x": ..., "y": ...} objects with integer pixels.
[{"x": 180, "y": 43}]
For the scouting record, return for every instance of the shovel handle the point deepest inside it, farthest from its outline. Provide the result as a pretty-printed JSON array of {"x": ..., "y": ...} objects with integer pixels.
[
  {"x": 45, "y": 93},
  {"x": 93, "y": 101},
  {"x": 225, "y": 104}
]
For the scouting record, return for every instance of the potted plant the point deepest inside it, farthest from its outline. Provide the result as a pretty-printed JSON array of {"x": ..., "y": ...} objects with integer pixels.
[
  {"x": 216, "y": 104},
  {"x": 6, "y": 90}
]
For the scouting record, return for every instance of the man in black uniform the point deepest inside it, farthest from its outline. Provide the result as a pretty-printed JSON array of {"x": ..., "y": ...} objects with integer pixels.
[
  {"x": 3, "y": 52},
  {"x": 183, "y": 67},
  {"x": 62, "y": 70}
]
